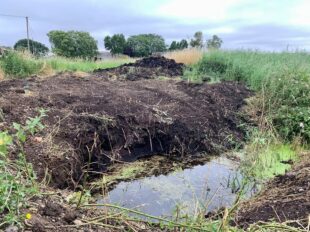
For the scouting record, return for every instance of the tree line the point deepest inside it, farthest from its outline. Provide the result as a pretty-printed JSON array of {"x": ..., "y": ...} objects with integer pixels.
[{"x": 82, "y": 44}]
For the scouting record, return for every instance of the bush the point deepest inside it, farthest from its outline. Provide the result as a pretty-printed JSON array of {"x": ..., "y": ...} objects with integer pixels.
[
  {"x": 16, "y": 64},
  {"x": 213, "y": 65},
  {"x": 36, "y": 48}
]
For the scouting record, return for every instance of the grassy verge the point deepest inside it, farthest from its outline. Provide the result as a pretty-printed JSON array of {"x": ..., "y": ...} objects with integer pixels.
[
  {"x": 63, "y": 64},
  {"x": 281, "y": 81},
  {"x": 21, "y": 65}
]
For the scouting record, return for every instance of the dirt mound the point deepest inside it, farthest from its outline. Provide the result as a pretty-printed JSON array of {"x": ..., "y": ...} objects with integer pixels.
[
  {"x": 146, "y": 68},
  {"x": 99, "y": 122},
  {"x": 285, "y": 198}
]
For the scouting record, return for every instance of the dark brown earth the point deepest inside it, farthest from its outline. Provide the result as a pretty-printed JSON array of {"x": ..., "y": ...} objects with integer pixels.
[
  {"x": 120, "y": 121},
  {"x": 285, "y": 198},
  {"x": 146, "y": 68},
  {"x": 53, "y": 213}
]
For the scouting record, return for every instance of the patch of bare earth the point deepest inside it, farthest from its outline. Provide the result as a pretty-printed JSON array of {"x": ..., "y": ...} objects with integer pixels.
[{"x": 104, "y": 121}]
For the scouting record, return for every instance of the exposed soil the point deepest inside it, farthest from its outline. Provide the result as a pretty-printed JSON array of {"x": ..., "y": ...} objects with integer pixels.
[
  {"x": 285, "y": 198},
  {"x": 117, "y": 121},
  {"x": 95, "y": 122},
  {"x": 53, "y": 213},
  {"x": 146, "y": 68}
]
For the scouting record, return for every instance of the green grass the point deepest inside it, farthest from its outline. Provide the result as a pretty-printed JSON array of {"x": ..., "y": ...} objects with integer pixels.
[
  {"x": 65, "y": 64},
  {"x": 268, "y": 161},
  {"x": 281, "y": 80},
  {"x": 21, "y": 65}
]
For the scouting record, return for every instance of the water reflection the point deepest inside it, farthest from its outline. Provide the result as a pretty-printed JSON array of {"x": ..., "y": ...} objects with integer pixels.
[{"x": 209, "y": 187}]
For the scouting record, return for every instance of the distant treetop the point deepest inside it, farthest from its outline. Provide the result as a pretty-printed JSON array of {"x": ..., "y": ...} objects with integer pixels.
[
  {"x": 73, "y": 44},
  {"x": 36, "y": 47}
]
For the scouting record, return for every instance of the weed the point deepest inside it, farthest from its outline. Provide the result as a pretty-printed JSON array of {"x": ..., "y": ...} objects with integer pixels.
[
  {"x": 17, "y": 178},
  {"x": 64, "y": 64},
  {"x": 16, "y": 64}
]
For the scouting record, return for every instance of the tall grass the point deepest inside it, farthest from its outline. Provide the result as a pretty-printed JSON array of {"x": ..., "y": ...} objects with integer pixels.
[
  {"x": 15, "y": 64},
  {"x": 65, "y": 64},
  {"x": 20, "y": 65},
  {"x": 186, "y": 56},
  {"x": 281, "y": 80}
]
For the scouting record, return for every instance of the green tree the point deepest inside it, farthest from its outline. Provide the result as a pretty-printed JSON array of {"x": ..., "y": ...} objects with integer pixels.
[
  {"x": 215, "y": 42},
  {"x": 183, "y": 44},
  {"x": 73, "y": 44},
  {"x": 197, "y": 41},
  {"x": 173, "y": 46},
  {"x": 115, "y": 44},
  {"x": 36, "y": 48},
  {"x": 178, "y": 45},
  {"x": 144, "y": 45}
]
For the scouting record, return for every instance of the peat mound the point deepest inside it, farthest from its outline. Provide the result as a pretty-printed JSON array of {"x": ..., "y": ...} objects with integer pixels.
[
  {"x": 146, "y": 68},
  {"x": 93, "y": 122},
  {"x": 285, "y": 198}
]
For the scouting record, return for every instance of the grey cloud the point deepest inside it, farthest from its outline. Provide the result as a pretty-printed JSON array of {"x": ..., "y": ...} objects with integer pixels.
[{"x": 100, "y": 17}]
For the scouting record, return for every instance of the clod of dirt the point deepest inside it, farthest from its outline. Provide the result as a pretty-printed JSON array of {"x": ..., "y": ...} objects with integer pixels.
[
  {"x": 281, "y": 200},
  {"x": 52, "y": 209},
  {"x": 146, "y": 68}
]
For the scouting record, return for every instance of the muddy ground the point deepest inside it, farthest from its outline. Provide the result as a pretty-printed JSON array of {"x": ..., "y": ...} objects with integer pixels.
[
  {"x": 119, "y": 115},
  {"x": 285, "y": 198},
  {"x": 95, "y": 121}
]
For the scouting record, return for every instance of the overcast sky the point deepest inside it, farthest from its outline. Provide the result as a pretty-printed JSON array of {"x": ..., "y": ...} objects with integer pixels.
[{"x": 254, "y": 24}]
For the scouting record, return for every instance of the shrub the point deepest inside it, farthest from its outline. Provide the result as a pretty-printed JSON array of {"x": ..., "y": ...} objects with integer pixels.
[
  {"x": 36, "y": 48},
  {"x": 16, "y": 64}
]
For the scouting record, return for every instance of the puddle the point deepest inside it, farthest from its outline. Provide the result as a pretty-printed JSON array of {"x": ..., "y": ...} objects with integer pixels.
[{"x": 208, "y": 187}]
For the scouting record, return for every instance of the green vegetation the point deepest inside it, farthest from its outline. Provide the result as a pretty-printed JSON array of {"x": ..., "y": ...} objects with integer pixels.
[
  {"x": 197, "y": 41},
  {"x": 64, "y": 64},
  {"x": 281, "y": 80},
  {"x": 214, "y": 43},
  {"x": 136, "y": 45},
  {"x": 264, "y": 156},
  {"x": 144, "y": 45},
  {"x": 73, "y": 44},
  {"x": 115, "y": 44},
  {"x": 269, "y": 161},
  {"x": 36, "y": 48},
  {"x": 19, "y": 65},
  {"x": 18, "y": 181},
  {"x": 178, "y": 45}
]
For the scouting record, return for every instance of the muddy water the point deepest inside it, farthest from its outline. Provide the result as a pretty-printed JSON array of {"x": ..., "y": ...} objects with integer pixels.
[{"x": 208, "y": 187}]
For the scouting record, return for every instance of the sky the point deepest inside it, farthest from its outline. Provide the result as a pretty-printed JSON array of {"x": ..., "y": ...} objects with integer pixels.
[{"x": 273, "y": 25}]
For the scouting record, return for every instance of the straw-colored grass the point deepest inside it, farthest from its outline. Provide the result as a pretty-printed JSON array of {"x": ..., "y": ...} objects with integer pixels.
[
  {"x": 1, "y": 74},
  {"x": 186, "y": 56}
]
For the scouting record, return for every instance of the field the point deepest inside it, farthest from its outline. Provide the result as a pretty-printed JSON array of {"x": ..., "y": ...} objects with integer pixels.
[{"x": 76, "y": 135}]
